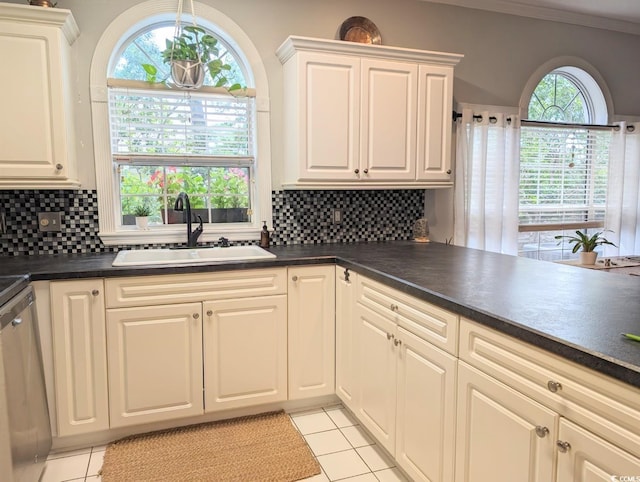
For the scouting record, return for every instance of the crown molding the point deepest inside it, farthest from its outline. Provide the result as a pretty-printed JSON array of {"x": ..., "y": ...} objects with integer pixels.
[
  {"x": 546, "y": 13},
  {"x": 56, "y": 17}
]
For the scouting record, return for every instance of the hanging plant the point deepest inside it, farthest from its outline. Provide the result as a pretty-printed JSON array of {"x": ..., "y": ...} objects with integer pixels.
[{"x": 188, "y": 54}]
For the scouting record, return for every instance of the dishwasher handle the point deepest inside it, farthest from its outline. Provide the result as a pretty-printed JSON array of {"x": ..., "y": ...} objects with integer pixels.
[{"x": 10, "y": 312}]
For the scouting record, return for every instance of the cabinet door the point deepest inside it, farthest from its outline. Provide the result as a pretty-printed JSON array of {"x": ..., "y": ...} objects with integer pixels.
[
  {"x": 435, "y": 94},
  {"x": 346, "y": 378},
  {"x": 502, "y": 435},
  {"x": 376, "y": 368},
  {"x": 425, "y": 432},
  {"x": 328, "y": 110},
  {"x": 155, "y": 363},
  {"x": 311, "y": 337},
  {"x": 80, "y": 356},
  {"x": 35, "y": 105},
  {"x": 245, "y": 352},
  {"x": 388, "y": 121},
  {"x": 589, "y": 458}
]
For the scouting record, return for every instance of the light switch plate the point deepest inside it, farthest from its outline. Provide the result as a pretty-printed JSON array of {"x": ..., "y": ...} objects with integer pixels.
[{"x": 50, "y": 221}]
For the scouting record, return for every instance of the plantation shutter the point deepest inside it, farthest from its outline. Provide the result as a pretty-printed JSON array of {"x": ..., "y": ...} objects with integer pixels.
[
  {"x": 156, "y": 126},
  {"x": 563, "y": 176}
]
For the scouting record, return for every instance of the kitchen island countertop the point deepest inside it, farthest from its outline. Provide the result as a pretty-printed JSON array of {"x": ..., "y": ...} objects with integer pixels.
[{"x": 576, "y": 313}]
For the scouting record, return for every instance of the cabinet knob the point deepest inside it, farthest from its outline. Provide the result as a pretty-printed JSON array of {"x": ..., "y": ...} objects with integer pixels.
[
  {"x": 95, "y": 292},
  {"x": 394, "y": 307},
  {"x": 294, "y": 278},
  {"x": 397, "y": 342},
  {"x": 346, "y": 275},
  {"x": 366, "y": 171},
  {"x": 563, "y": 447},
  {"x": 59, "y": 167},
  {"x": 357, "y": 171},
  {"x": 389, "y": 336},
  {"x": 542, "y": 432},
  {"x": 196, "y": 316},
  {"x": 554, "y": 386},
  {"x": 209, "y": 312},
  {"x": 448, "y": 171}
]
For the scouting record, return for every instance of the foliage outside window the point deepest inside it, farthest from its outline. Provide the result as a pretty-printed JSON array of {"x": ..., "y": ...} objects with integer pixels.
[
  {"x": 168, "y": 141},
  {"x": 217, "y": 194},
  {"x": 563, "y": 168}
]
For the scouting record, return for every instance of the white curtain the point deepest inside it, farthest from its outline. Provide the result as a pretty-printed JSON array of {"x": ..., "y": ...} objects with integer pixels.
[
  {"x": 622, "y": 215},
  {"x": 486, "y": 181}
]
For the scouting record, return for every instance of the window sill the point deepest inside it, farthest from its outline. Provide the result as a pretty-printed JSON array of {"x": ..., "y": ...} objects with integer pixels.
[{"x": 178, "y": 236}]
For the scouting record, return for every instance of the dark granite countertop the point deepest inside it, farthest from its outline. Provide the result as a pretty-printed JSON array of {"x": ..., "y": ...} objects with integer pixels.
[{"x": 573, "y": 312}]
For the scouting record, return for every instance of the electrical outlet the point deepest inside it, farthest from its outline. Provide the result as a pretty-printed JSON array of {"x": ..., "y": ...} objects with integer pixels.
[
  {"x": 50, "y": 221},
  {"x": 337, "y": 216}
]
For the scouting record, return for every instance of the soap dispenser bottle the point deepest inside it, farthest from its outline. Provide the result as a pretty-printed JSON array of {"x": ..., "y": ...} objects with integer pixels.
[{"x": 264, "y": 236}]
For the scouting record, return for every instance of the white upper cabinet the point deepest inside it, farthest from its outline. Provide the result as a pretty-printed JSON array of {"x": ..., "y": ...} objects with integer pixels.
[
  {"x": 366, "y": 116},
  {"x": 36, "y": 126}
]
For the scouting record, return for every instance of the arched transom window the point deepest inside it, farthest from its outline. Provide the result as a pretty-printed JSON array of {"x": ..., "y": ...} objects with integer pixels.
[{"x": 563, "y": 163}]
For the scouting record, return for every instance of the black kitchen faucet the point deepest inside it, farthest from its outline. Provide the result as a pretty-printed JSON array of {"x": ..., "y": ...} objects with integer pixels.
[{"x": 182, "y": 204}]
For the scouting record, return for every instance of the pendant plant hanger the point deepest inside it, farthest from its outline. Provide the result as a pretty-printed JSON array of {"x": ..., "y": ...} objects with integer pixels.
[
  {"x": 185, "y": 53},
  {"x": 190, "y": 54}
]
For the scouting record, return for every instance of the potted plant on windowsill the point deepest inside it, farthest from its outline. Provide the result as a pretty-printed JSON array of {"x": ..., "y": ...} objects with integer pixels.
[
  {"x": 587, "y": 244},
  {"x": 142, "y": 213},
  {"x": 188, "y": 54}
]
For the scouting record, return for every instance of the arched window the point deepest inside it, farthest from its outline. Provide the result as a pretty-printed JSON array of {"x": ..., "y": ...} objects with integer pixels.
[
  {"x": 564, "y": 159},
  {"x": 164, "y": 140}
]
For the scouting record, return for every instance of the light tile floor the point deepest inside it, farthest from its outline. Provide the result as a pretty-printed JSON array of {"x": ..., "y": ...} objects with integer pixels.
[{"x": 345, "y": 452}]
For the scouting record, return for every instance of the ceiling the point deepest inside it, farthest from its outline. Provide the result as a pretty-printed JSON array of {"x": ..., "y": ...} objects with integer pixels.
[{"x": 618, "y": 15}]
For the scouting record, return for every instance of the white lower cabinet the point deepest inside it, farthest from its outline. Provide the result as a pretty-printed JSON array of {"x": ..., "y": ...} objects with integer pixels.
[
  {"x": 311, "y": 334},
  {"x": 587, "y": 457},
  {"x": 155, "y": 363},
  {"x": 426, "y": 409},
  {"x": 405, "y": 386},
  {"x": 346, "y": 342},
  {"x": 245, "y": 352},
  {"x": 80, "y": 356},
  {"x": 527, "y": 415},
  {"x": 376, "y": 367},
  {"x": 502, "y": 435}
]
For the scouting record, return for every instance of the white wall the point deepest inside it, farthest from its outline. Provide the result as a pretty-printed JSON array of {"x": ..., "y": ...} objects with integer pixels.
[{"x": 501, "y": 51}]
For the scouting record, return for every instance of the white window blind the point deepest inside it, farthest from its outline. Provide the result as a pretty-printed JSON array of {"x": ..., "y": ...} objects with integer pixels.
[
  {"x": 149, "y": 125},
  {"x": 563, "y": 176}
]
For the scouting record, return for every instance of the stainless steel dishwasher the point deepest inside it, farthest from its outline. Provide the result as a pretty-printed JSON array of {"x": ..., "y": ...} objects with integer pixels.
[{"x": 25, "y": 431}]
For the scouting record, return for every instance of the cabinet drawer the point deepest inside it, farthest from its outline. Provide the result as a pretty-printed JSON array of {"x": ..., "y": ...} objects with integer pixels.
[
  {"x": 429, "y": 322},
  {"x": 183, "y": 288},
  {"x": 601, "y": 404}
]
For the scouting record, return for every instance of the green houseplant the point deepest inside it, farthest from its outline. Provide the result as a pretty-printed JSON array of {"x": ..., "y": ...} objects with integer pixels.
[
  {"x": 188, "y": 54},
  {"x": 142, "y": 212},
  {"x": 586, "y": 244}
]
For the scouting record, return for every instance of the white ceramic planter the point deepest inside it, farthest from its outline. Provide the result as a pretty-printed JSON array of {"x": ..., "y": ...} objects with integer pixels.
[
  {"x": 142, "y": 222},
  {"x": 588, "y": 258}
]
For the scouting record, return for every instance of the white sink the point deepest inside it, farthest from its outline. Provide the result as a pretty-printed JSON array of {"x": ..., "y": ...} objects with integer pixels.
[{"x": 147, "y": 257}]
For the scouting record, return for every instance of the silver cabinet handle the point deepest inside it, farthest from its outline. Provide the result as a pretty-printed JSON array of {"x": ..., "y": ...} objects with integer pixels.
[
  {"x": 294, "y": 278},
  {"x": 554, "y": 386},
  {"x": 209, "y": 312},
  {"x": 563, "y": 447},
  {"x": 196, "y": 316},
  {"x": 397, "y": 342},
  {"x": 542, "y": 432},
  {"x": 59, "y": 167},
  {"x": 95, "y": 292}
]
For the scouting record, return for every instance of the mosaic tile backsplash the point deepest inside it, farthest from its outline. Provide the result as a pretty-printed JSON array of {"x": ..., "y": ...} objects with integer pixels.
[{"x": 299, "y": 217}]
